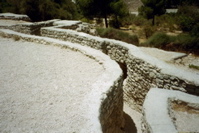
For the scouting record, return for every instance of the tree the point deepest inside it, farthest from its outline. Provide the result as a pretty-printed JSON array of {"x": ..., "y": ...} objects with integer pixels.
[
  {"x": 39, "y": 10},
  {"x": 120, "y": 10},
  {"x": 99, "y": 8},
  {"x": 31, "y": 8},
  {"x": 151, "y": 8},
  {"x": 172, "y": 3},
  {"x": 10, "y": 6}
]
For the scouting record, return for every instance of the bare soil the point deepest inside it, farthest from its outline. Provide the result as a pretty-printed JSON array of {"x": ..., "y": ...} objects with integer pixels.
[{"x": 186, "y": 118}]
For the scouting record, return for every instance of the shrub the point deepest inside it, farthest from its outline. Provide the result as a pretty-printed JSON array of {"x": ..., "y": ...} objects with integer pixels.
[
  {"x": 195, "y": 30},
  {"x": 127, "y": 20},
  {"x": 183, "y": 42},
  {"x": 188, "y": 17},
  {"x": 149, "y": 30},
  {"x": 159, "y": 40},
  {"x": 140, "y": 21},
  {"x": 114, "y": 23},
  {"x": 118, "y": 35},
  {"x": 86, "y": 20},
  {"x": 167, "y": 21},
  {"x": 188, "y": 43},
  {"x": 194, "y": 66},
  {"x": 186, "y": 23}
]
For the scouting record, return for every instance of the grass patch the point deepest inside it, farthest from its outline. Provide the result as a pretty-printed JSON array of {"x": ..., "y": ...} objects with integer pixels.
[
  {"x": 117, "y": 35},
  {"x": 182, "y": 42},
  {"x": 194, "y": 66},
  {"x": 159, "y": 40},
  {"x": 188, "y": 43}
]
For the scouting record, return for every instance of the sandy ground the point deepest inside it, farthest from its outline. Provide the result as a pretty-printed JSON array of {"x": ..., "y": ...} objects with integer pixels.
[
  {"x": 42, "y": 87},
  {"x": 135, "y": 122}
]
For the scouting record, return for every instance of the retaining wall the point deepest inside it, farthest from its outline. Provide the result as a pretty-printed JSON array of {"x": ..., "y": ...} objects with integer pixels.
[
  {"x": 29, "y": 27},
  {"x": 158, "y": 116},
  {"x": 12, "y": 16},
  {"x": 105, "y": 111},
  {"x": 143, "y": 71}
]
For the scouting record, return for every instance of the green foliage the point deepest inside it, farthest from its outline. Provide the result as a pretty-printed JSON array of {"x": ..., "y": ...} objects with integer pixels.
[
  {"x": 119, "y": 8},
  {"x": 87, "y": 20},
  {"x": 190, "y": 2},
  {"x": 167, "y": 21},
  {"x": 127, "y": 20},
  {"x": 95, "y": 8},
  {"x": 176, "y": 3},
  {"x": 182, "y": 42},
  {"x": 149, "y": 30},
  {"x": 102, "y": 8},
  {"x": 195, "y": 30},
  {"x": 151, "y": 8},
  {"x": 146, "y": 12},
  {"x": 172, "y": 3},
  {"x": 39, "y": 10},
  {"x": 118, "y": 35},
  {"x": 159, "y": 40},
  {"x": 186, "y": 22},
  {"x": 115, "y": 23},
  {"x": 140, "y": 21},
  {"x": 188, "y": 43},
  {"x": 194, "y": 66},
  {"x": 188, "y": 17},
  {"x": 10, "y": 6}
]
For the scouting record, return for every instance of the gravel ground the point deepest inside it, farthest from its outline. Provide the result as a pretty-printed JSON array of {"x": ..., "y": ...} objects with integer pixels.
[{"x": 42, "y": 87}]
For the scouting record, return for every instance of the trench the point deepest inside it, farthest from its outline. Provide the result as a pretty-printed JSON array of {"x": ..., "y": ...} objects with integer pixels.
[
  {"x": 130, "y": 125},
  {"x": 130, "y": 122}
]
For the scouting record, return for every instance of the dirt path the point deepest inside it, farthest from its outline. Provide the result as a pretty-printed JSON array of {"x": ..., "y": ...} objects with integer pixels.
[{"x": 42, "y": 88}]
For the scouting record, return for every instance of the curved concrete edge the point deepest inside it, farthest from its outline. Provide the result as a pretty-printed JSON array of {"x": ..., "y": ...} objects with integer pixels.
[
  {"x": 111, "y": 77},
  {"x": 156, "y": 109}
]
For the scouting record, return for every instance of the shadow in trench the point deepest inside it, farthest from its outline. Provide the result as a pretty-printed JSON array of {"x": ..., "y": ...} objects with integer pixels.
[{"x": 129, "y": 126}]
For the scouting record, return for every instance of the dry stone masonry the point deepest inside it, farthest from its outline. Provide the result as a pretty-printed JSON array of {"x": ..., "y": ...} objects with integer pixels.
[
  {"x": 141, "y": 72},
  {"x": 157, "y": 110}
]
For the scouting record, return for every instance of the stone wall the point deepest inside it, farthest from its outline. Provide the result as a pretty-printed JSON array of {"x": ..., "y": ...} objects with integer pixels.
[
  {"x": 143, "y": 71},
  {"x": 29, "y": 27},
  {"x": 105, "y": 111},
  {"x": 12, "y": 16},
  {"x": 158, "y": 113}
]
